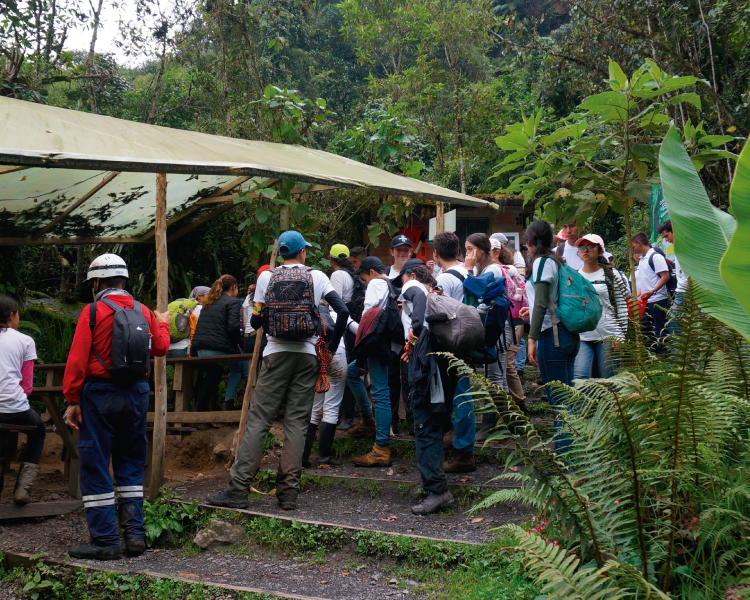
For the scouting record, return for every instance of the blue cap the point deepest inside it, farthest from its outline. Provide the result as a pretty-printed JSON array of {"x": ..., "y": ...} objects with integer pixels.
[{"x": 291, "y": 242}]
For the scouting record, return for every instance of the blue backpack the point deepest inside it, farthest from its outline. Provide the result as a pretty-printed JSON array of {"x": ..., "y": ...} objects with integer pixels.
[
  {"x": 578, "y": 306},
  {"x": 487, "y": 293}
]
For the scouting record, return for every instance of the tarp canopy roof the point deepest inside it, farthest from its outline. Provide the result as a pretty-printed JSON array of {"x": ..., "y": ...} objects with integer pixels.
[{"x": 76, "y": 177}]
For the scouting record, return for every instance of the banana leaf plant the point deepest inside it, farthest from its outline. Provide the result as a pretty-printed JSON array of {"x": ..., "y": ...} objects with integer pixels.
[{"x": 713, "y": 246}]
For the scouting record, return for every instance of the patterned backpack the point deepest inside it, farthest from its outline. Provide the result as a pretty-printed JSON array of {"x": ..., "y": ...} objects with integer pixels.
[{"x": 290, "y": 304}]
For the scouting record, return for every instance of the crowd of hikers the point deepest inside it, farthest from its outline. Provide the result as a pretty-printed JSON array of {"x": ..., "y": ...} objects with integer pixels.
[{"x": 341, "y": 353}]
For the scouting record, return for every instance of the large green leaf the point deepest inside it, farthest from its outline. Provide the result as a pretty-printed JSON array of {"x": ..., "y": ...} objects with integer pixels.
[
  {"x": 701, "y": 232},
  {"x": 735, "y": 266}
]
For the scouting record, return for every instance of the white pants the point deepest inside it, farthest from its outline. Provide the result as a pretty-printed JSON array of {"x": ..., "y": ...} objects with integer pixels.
[{"x": 326, "y": 406}]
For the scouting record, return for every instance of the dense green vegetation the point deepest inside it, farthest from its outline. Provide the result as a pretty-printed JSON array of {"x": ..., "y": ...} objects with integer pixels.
[{"x": 422, "y": 88}]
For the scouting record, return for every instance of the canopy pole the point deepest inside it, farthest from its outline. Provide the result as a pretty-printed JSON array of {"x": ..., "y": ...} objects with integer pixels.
[
  {"x": 440, "y": 218},
  {"x": 160, "y": 363},
  {"x": 252, "y": 378}
]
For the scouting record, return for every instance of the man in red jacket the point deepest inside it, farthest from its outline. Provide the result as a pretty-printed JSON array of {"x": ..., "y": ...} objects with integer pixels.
[{"x": 106, "y": 392}]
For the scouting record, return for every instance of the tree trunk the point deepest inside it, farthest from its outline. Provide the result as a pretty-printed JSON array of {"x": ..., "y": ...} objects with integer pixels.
[
  {"x": 65, "y": 274},
  {"x": 224, "y": 80},
  {"x": 50, "y": 36},
  {"x": 90, "y": 59},
  {"x": 157, "y": 85}
]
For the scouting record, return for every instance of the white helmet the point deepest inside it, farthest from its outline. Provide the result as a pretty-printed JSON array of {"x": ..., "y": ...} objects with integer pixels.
[{"x": 107, "y": 265}]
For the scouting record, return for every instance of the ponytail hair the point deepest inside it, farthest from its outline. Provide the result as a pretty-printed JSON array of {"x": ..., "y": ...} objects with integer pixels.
[
  {"x": 539, "y": 234},
  {"x": 221, "y": 285},
  {"x": 343, "y": 263},
  {"x": 8, "y": 306},
  {"x": 423, "y": 275}
]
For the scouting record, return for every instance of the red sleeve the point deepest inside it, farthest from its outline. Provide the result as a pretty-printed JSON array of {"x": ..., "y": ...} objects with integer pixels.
[
  {"x": 159, "y": 334},
  {"x": 78, "y": 358},
  {"x": 27, "y": 377}
]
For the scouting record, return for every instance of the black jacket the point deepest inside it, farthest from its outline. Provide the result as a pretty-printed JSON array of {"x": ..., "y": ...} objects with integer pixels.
[{"x": 218, "y": 327}]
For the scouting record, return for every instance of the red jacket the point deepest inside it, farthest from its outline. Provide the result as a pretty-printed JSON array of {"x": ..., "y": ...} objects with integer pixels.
[{"x": 81, "y": 360}]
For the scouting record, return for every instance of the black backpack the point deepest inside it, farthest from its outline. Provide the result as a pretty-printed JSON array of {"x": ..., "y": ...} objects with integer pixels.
[
  {"x": 672, "y": 281},
  {"x": 357, "y": 304},
  {"x": 394, "y": 328},
  {"x": 129, "y": 354}
]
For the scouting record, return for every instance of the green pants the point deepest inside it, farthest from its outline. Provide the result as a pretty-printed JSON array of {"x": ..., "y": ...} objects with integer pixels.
[{"x": 286, "y": 378}]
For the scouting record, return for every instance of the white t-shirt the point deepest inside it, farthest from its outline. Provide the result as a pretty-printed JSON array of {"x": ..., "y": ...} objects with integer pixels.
[
  {"x": 611, "y": 324},
  {"x": 321, "y": 287},
  {"x": 681, "y": 277},
  {"x": 393, "y": 273},
  {"x": 343, "y": 283},
  {"x": 450, "y": 284},
  {"x": 649, "y": 278},
  {"x": 376, "y": 294},
  {"x": 15, "y": 349},
  {"x": 570, "y": 254},
  {"x": 183, "y": 344},
  {"x": 549, "y": 275},
  {"x": 407, "y": 307},
  {"x": 519, "y": 262}
]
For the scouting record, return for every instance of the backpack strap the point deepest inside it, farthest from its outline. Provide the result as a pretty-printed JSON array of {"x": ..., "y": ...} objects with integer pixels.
[
  {"x": 456, "y": 274},
  {"x": 552, "y": 304}
]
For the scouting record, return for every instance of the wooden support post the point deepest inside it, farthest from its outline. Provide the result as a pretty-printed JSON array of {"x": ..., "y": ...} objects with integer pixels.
[
  {"x": 249, "y": 391},
  {"x": 284, "y": 218},
  {"x": 160, "y": 364},
  {"x": 440, "y": 218}
]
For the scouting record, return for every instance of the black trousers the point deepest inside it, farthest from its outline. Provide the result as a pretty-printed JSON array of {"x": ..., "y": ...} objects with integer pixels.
[
  {"x": 654, "y": 324},
  {"x": 35, "y": 439}
]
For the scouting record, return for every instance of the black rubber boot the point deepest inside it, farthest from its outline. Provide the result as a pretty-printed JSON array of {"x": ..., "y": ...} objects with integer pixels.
[
  {"x": 93, "y": 551},
  {"x": 489, "y": 421},
  {"x": 325, "y": 447},
  {"x": 309, "y": 441},
  {"x": 134, "y": 547}
]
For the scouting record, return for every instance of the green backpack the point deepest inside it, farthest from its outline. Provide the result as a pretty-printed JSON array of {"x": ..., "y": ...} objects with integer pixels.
[
  {"x": 578, "y": 306},
  {"x": 179, "y": 313}
]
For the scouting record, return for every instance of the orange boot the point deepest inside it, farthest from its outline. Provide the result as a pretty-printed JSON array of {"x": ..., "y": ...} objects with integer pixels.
[{"x": 378, "y": 457}]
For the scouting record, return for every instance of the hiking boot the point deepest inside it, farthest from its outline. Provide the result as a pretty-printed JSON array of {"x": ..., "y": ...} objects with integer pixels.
[
  {"x": 448, "y": 438},
  {"x": 463, "y": 462},
  {"x": 288, "y": 505},
  {"x": 93, "y": 551},
  {"x": 325, "y": 447},
  {"x": 378, "y": 457},
  {"x": 225, "y": 500},
  {"x": 365, "y": 428},
  {"x": 432, "y": 503},
  {"x": 228, "y": 405},
  {"x": 26, "y": 476},
  {"x": 134, "y": 547},
  {"x": 312, "y": 430}
]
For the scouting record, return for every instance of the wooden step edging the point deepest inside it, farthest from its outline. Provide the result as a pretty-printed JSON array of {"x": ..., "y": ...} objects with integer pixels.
[
  {"x": 326, "y": 474},
  {"x": 26, "y": 560},
  {"x": 351, "y": 528}
]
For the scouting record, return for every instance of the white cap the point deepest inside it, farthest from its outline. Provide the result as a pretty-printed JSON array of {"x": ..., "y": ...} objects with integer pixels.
[{"x": 107, "y": 265}]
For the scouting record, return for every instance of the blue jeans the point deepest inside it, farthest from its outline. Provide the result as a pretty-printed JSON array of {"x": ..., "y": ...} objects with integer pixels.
[
  {"x": 237, "y": 370},
  {"x": 464, "y": 422},
  {"x": 599, "y": 354},
  {"x": 673, "y": 316},
  {"x": 521, "y": 356},
  {"x": 557, "y": 364},
  {"x": 114, "y": 425},
  {"x": 380, "y": 394}
]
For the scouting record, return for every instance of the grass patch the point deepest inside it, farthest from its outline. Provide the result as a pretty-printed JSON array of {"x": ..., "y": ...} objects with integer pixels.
[{"x": 53, "y": 583}]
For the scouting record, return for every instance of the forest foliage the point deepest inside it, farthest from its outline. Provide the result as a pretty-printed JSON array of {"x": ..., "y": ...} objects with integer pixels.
[{"x": 423, "y": 88}]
